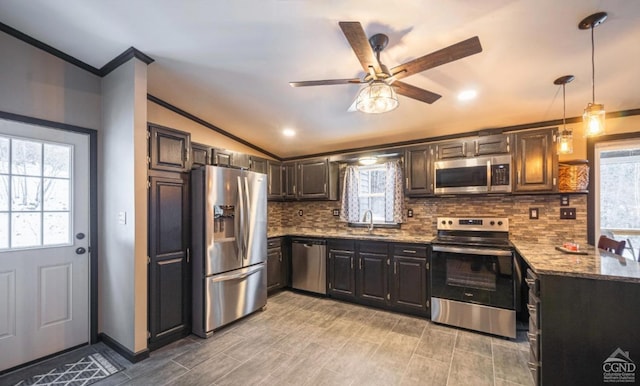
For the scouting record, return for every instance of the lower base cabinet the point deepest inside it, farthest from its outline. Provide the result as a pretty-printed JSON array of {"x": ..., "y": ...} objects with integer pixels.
[
  {"x": 387, "y": 275},
  {"x": 277, "y": 264}
]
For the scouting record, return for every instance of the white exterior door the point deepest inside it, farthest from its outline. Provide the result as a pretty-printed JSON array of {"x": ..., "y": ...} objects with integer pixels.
[{"x": 44, "y": 241}]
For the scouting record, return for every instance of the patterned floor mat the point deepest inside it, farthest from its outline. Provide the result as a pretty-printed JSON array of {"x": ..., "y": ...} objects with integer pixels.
[{"x": 85, "y": 371}]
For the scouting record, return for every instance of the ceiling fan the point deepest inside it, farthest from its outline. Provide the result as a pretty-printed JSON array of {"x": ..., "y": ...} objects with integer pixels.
[{"x": 383, "y": 82}]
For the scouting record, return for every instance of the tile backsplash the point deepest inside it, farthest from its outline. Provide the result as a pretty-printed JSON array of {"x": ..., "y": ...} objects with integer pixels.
[{"x": 317, "y": 216}]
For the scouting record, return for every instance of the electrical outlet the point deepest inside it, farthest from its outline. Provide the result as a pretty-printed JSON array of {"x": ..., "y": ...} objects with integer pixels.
[
  {"x": 567, "y": 213},
  {"x": 409, "y": 212},
  {"x": 300, "y": 213},
  {"x": 336, "y": 212},
  {"x": 564, "y": 200},
  {"x": 534, "y": 213}
]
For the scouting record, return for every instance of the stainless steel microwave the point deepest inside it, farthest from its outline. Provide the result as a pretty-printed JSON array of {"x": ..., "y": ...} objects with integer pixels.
[{"x": 487, "y": 174}]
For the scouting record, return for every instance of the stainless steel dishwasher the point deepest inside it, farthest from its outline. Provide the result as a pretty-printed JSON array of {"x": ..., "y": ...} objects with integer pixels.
[{"x": 309, "y": 267}]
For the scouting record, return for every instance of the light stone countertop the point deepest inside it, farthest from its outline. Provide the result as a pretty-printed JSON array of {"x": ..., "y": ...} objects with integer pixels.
[
  {"x": 355, "y": 234},
  {"x": 598, "y": 264}
]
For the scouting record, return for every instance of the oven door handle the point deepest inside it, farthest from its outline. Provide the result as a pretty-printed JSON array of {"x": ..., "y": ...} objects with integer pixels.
[{"x": 472, "y": 251}]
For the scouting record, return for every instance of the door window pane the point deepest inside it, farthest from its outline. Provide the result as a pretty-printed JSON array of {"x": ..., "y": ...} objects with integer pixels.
[
  {"x": 56, "y": 194},
  {"x": 26, "y": 193},
  {"x": 4, "y": 230},
  {"x": 4, "y": 155},
  {"x": 4, "y": 193},
  {"x": 55, "y": 228},
  {"x": 26, "y": 157},
  {"x": 35, "y": 193},
  {"x": 25, "y": 229},
  {"x": 57, "y": 161}
]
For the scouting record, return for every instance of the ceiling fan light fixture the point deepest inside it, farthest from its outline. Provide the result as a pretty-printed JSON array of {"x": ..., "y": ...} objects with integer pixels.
[
  {"x": 376, "y": 98},
  {"x": 467, "y": 95},
  {"x": 594, "y": 114}
]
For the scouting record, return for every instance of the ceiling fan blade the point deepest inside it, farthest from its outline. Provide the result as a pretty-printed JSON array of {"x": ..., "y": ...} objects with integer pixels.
[
  {"x": 325, "y": 82},
  {"x": 449, "y": 54},
  {"x": 356, "y": 37},
  {"x": 415, "y": 92}
]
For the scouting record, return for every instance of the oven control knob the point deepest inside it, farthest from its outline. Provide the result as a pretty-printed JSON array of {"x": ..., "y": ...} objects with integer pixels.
[
  {"x": 450, "y": 222},
  {"x": 444, "y": 222},
  {"x": 492, "y": 223},
  {"x": 499, "y": 223}
]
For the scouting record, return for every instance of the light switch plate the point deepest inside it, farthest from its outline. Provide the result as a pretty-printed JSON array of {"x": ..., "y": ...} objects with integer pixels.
[
  {"x": 409, "y": 212},
  {"x": 122, "y": 218},
  {"x": 336, "y": 212},
  {"x": 300, "y": 213},
  {"x": 534, "y": 213}
]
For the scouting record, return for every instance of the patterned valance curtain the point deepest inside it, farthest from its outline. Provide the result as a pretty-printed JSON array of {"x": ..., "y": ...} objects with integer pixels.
[
  {"x": 394, "y": 192},
  {"x": 350, "y": 207}
]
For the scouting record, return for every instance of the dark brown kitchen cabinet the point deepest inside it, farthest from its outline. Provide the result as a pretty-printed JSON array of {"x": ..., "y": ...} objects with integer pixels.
[
  {"x": 257, "y": 164},
  {"x": 275, "y": 181},
  {"x": 452, "y": 149},
  {"x": 290, "y": 183},
  {"x": 276, "y": 265},
  {"x": 169, "y": 287},
  {"x": 536, "y": 161},
  {"x": 342, "y": 256},
  {"x": 418, "y": 171},
  {"x": 224, "y": 157},
  {"x": 492, "y": 144},
  {"x": 169, "y": 149},
  {"x": 372, "y": 282},
  {"x": 409, "y": 278},
  {"x": 317, "y": 179},
  {"x": 200, "y": 155}
]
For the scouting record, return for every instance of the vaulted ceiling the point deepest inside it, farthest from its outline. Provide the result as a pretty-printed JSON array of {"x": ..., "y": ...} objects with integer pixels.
[{"x": 229, "y": 62}]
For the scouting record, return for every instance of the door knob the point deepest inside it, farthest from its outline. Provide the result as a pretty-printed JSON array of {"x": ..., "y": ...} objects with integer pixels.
[{"x": 80, "y": 251}]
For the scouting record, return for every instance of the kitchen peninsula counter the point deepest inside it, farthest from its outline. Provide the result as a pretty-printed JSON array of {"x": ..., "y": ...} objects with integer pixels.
[{"x": 597, "y": 264}]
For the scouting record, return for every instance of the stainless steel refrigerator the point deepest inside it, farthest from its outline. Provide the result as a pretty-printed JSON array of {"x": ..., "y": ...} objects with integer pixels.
[{"x": 229, "y": 245}]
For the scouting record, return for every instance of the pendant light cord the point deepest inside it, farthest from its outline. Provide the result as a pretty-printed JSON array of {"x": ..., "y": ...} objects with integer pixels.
[
  {"x": 564, "y": 109},
  {"x": 593, "y": 69}
]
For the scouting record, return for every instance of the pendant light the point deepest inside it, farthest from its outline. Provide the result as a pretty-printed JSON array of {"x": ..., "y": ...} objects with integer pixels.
[
  {"x": 594, "y": 113},
  {"x": 376, "y": 98},
  {"x": 565, "y": 140}
]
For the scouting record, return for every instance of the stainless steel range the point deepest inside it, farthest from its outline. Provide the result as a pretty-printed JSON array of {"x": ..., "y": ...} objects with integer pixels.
[{"x": 475, "y": 277}]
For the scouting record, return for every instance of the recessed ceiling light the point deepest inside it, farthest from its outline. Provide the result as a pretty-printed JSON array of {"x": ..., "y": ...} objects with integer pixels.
[
  {"x": 288, "y": 132},
  {"x": 467, "y": 95}
]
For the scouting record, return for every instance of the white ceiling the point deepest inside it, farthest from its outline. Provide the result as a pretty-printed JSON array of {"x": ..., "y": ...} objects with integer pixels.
[{"x": 229, "y": 62}]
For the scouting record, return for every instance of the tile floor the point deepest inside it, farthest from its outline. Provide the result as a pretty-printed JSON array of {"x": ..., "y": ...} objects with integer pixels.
[{"x": 305, "y": 340}]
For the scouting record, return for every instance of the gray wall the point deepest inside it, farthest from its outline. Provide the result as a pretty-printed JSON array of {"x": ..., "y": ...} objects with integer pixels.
[
  {"x": 37, "y": 84},
  {"x": 122, "y": 269}
]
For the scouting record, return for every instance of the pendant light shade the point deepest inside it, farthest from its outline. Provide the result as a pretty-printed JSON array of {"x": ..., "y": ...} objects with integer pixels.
[
  {"x": 565, "y": 139},
  {"x": 378, "y": 97},
  {"x": 594, "y": 114}
]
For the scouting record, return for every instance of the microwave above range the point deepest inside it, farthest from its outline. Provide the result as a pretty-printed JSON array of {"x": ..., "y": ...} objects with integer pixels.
[{"x": 486, "y": 174}]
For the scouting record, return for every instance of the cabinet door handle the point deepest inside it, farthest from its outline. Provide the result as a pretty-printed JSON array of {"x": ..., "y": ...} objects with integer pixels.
[
  {"x": 280, "y": 256},
  {"x": 407, "y": 182},
  {"x": 351, "y": 262},
  {"x": 360, "y": 263},
  {"x": 188, "y": 255},
  {"x": 409, "y": 251},
  {"x": 395, "y": 268}
]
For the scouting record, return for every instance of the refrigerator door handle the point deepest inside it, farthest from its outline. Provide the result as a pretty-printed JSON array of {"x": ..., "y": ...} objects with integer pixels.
[
  {"x": 240, "y": 221},
  {"x": 246, "y": 229},
  {"x": 242, "y": 275}
]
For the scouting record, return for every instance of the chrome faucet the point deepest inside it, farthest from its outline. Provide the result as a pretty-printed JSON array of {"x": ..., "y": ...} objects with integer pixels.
[{"x": 364, "y": 218}]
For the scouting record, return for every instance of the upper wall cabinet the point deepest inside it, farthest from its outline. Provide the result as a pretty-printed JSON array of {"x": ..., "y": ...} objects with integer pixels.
[
  {"x": 223, "y": 157},
  {"x": 536, "y": 161},
  {"x": 200, "y": 155},
  {"x": 418, "y": 171},
  {"x": 257, "y": 164},
  {"x": 275, "y": 181},
  {"x": 317, "y": 179},
  {"x": 313, "y": 179},
  {"x": 471, "y": 147},
  {"x": 169, "y": 149}
]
